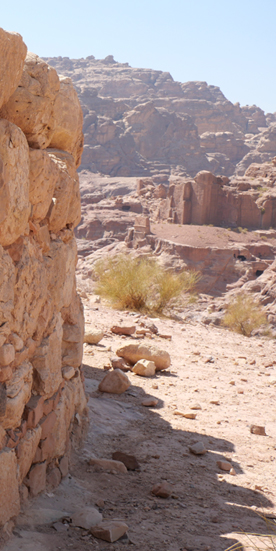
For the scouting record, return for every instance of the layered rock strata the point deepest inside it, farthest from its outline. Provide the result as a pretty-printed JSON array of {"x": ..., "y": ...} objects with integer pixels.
[
  {"x": 42, "y": 399},
  {"x": 140, "y": 122}
]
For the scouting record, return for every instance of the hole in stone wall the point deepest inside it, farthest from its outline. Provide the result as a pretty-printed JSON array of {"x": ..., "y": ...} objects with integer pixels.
[
  {"x": 241, "y": 257},
  {"x": 258, "y": 273}
]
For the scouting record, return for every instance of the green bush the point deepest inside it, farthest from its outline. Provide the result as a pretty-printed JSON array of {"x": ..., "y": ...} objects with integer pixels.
[
  {"x": 244, "y": 315},
  {"x": 141, "y": 283}
]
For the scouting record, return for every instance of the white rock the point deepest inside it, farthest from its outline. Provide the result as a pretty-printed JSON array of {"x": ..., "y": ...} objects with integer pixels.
[
  {"x": 145, "y": 368},
  {"x": 86, "y": 518}
]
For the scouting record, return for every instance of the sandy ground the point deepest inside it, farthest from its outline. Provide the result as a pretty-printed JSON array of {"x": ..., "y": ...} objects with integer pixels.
[
  {"x": 233, "y": 380},
  {"x": 211, "y": 236}
]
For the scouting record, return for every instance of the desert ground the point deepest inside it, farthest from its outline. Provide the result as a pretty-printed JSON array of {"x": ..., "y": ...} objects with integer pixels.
[{"x": 228, "y": 382}]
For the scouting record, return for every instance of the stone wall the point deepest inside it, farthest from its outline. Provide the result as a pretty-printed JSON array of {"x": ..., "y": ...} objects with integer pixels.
[{"x": 42, "y": 398}]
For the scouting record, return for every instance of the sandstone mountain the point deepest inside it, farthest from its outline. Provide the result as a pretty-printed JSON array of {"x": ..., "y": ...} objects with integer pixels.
[{"x": 140, "y": 122}]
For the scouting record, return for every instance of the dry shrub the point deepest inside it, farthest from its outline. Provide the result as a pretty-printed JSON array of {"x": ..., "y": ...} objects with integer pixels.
[
  {"x": 141, "y": 283},
  {"x": 244, "y": 315},
  {"x": 258, "y": 542}
]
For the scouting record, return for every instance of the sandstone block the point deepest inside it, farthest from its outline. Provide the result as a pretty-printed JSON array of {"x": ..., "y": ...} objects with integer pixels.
[
  {"x": 134, "y": 352},
  {"x": 68, "y": 372},
  {"x": 36, "y": 479},
  {"x": 47, "y": 424},
  {"x": 31, "y": 105},
  {"x": 26, "y": 450},
  {"x": 44, "y": 174},
  {"x": 7, "y": 354},
  {"x": 20, "y": 394},
  {"x": 108, "y": 465},
  {"x": 15, "y": 207},
  {"x": 68, "y": 118},
  {"x": 47, "y": 363},
  {"x": 66, "y": 208},
  {"x": 9, "y": 491},
  {"x": 3, "y": 437},
  {"x": 115, "y": 382},
  {"x": 34, "y": 411},
  {"x": 145, "y": 368},
  {"x": 13, "y": 53},
  {"x": 109, "y": 530},
  {"x": 45, "y": 450},
  {"x": 86, "y": 518},
  {"x": 129, "y": 461}
]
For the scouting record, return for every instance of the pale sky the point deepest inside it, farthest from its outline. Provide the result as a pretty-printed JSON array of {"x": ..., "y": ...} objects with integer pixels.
[{"x": 230, "y": 44}]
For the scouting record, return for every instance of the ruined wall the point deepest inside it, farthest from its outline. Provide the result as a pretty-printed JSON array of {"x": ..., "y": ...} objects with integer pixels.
[{"x": 41, "y": 317}]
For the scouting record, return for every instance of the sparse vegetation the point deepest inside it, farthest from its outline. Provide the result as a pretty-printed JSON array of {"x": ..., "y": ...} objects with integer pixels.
[
  {"x": 142, "y": 284},
  {"x": 244, "y": 315},
  {"x": 258, "y": 542}
]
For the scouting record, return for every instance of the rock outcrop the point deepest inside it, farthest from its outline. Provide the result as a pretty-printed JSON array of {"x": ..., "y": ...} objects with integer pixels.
[
  {"x": 41, "y": 315},
  {"x": 140, "y": 122}
]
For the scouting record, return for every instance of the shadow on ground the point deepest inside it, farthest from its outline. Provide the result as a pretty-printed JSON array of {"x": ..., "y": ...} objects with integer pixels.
[{"x": 205, "y": 512}]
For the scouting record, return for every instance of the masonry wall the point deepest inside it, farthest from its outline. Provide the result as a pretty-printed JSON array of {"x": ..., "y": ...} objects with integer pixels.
[{"x": 42, "y": 400}]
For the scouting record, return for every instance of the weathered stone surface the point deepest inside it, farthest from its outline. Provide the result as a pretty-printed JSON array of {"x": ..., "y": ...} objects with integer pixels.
[
  {"x": 66, "y": 206},
  {"x": 120, "y": 363},
  {"x": 7, "y": 354},
  {"x": 145, "y": 368},
  {"x": 31, "y": 105},
  {"x": 134, "y": 352},
  {"x": 47, "y": 363},
  {"x": 9, "y": 491},
  {"x": 26, "y": 450},
  {"x": 109, "y": 530},
  {"x": 44, "y": 174},
  {"x": 14, "y": 176},
  {"x": 115, "y": 382},
  {"x": 36, "y": 479},
  {"x": 13, "y": 53},
  {"x": 86, "y": 518},
  {"x": 20, "y": 392},
  {"x": 68, "y": 118}
]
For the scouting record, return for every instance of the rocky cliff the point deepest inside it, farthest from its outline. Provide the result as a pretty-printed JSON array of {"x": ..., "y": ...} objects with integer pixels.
[
  {"x": 41, "y": 316},
  {"x": 140, "y": 122}
]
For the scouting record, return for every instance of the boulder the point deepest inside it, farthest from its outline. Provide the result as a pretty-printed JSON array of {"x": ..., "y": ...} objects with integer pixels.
[
  {"x": 31, "y": 105},
  {"x": 115, "y": 382},
  {"x": 13, "y": 53},
  {"x": 134, "y": 352},
  {"x": 108, "y": 464},
  {"x": 162, "y": 489}
]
